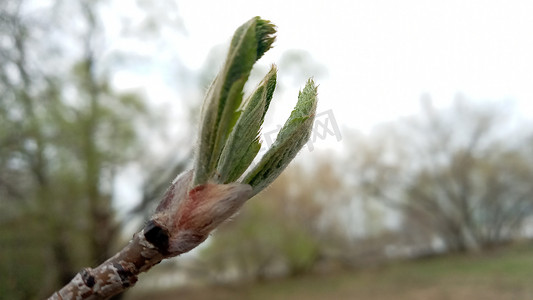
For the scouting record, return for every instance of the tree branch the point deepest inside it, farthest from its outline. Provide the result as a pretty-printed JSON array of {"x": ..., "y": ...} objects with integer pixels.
[{"x": 182, "y": 221}]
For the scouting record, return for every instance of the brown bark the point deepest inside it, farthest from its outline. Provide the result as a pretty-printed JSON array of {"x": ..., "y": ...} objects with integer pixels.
[{"x": 120, "y": 271}]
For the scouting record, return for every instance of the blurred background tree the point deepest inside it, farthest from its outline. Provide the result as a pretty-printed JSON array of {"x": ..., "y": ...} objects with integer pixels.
[{"x": 64, "y": 135}]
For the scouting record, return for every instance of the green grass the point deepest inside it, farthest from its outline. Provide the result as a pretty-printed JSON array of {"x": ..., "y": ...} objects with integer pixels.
[{"x": 499, "y": 274}]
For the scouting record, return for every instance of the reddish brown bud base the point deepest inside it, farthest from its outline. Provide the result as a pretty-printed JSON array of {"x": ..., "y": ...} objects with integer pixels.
[{"x": 190, "y": 216}]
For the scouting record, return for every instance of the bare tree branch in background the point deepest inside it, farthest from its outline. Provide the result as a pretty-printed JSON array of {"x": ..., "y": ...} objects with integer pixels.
[{"x": 460, "y": 174}]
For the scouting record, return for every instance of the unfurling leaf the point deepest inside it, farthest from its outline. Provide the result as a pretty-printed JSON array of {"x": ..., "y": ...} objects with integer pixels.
[
  {"x": 243, "y": 143},
  {"x": 291, "y": 138},
  {"x": 219, "y": 112}
]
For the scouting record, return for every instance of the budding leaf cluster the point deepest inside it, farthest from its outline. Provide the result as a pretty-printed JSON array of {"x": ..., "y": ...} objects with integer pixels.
[{"x": 229, "y": 134}]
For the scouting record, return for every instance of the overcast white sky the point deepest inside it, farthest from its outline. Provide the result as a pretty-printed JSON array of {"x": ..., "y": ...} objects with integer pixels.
[{"x": 382, "y": 55}]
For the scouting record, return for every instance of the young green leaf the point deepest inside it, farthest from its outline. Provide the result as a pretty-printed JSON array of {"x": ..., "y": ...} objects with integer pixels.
[
  {"x": 291, "y": 138},
  {"x": 243, "y": 143},
  {"x": 219, "y": 113}
]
